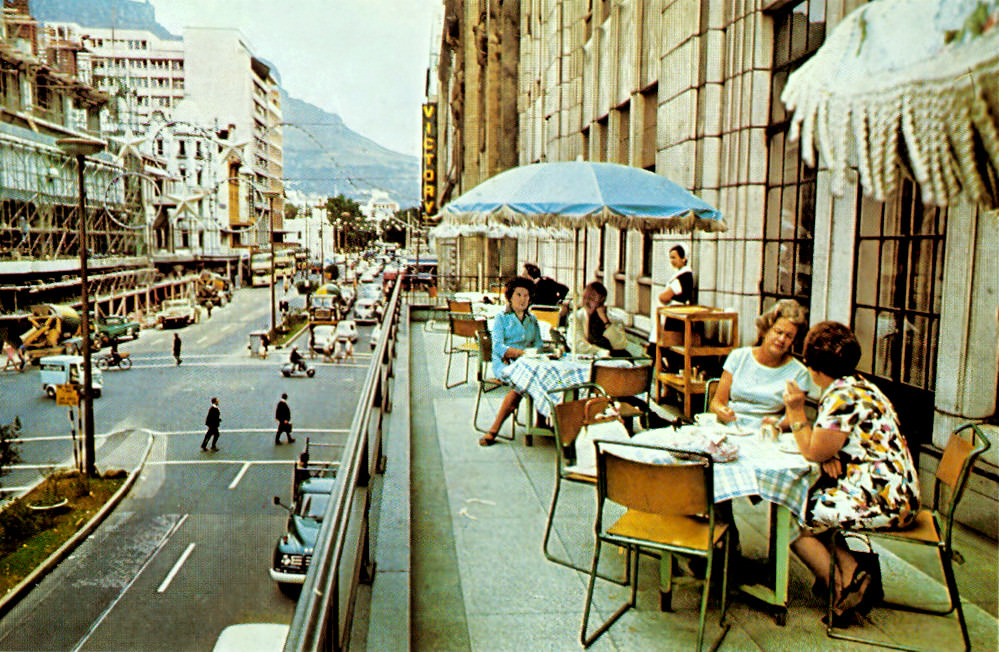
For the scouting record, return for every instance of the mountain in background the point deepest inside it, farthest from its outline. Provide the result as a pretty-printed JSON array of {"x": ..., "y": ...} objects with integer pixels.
[{"x": 321, "y": 154}]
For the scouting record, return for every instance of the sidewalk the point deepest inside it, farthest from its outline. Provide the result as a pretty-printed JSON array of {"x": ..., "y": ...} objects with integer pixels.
[{"x": 481, "y": 582}]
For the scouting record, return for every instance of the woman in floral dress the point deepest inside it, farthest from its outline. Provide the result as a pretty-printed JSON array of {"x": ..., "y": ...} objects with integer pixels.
[{"x": 868, "y": 477}]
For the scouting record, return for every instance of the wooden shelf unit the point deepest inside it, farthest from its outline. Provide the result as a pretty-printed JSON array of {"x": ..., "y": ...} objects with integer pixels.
[{"x": 690, "y": 347}]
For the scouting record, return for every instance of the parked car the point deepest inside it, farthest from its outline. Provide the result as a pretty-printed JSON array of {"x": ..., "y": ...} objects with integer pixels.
[
  {"x": 367, "y": 311},
  {"x": 312, "y": 484},
  {"x": 323, "y": 337},
  {"x": 66, "y": 369},
  {"x": 111, "y": 327},
  {"x": 178, "y": 312}
]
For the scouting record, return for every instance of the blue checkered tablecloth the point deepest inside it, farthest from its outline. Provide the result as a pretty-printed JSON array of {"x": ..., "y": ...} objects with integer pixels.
[
  {"x": 762, "y": 469},
  {"x": 538, "y": 376}
]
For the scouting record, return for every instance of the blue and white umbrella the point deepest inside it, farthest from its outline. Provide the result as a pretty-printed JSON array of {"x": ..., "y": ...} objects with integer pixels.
[{"x": 575, "y": 194}]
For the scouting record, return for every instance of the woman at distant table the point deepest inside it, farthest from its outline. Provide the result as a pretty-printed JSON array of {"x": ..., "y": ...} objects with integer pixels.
[{"x": 514, "y": 330}]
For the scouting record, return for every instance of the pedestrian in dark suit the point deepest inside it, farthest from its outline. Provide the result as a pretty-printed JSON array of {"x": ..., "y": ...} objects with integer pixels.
[
  {"x": 176, "y": 347},
  {"x": 213, "y": 420},
  {"x": 283, "y": 416}
]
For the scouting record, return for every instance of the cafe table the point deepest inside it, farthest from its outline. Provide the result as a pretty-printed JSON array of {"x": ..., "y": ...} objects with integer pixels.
[
  {"x": 773, "y": 471},
  {"x": 535, "y": 376}
]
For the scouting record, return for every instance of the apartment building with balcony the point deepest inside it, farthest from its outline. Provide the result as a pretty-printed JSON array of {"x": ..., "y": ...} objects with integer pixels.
[
  {"x": 239, "y": 92},
  {"x": 691, "y": 90}
]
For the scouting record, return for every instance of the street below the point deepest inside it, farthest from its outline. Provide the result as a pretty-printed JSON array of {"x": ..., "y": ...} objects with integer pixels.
[{"x": 187, "y": 552}]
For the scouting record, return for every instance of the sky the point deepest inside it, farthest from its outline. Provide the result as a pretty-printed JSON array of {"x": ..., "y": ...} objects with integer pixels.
[{"x": 365, "y": 60}]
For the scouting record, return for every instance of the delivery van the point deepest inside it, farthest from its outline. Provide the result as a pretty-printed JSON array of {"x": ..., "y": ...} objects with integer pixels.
[{"x": 63, "y": 369}]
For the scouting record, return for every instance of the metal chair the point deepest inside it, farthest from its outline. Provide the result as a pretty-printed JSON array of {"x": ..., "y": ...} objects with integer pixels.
[
  {"x": 626, "y": 384},
  {"x": 933, "y": 527},
  {"x": 671, "y": 521},
  {"x": 570, "y": 418},
  {"x": 455, "y": 308},
  {"x": 464, "y": 328},
  {"x": 487, "y": 383}
]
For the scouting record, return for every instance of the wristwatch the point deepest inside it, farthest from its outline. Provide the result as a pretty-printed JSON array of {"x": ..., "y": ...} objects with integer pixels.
[{"x": 798, "y": 425}]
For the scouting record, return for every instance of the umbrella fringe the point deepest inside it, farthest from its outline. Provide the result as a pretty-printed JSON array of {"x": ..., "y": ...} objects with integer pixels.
[{"x": 948, "y": 122}]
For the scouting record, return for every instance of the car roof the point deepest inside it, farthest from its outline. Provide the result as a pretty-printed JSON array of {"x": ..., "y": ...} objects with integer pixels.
[{"x": 317, "y": 485}]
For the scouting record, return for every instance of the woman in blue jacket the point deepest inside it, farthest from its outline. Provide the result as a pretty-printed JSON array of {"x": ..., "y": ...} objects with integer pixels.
[{"x": 514, "y": 330}]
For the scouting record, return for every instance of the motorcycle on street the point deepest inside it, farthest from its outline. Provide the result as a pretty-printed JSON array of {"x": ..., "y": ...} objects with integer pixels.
[
  {"x": 108, "y": 360},
  {"x": 289, "y": 369}
]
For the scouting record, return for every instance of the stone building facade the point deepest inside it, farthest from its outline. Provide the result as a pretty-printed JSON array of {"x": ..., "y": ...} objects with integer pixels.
[{"x": 690, "y": 89}]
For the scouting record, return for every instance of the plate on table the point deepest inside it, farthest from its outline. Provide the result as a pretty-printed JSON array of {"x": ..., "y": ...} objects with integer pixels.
[
  {"x": 788, "y": 447},
  {"x": 738, "y": 431}
]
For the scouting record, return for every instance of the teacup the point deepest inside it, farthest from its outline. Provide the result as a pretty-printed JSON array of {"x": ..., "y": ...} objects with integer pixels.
[{"x": 706, "y": 420}]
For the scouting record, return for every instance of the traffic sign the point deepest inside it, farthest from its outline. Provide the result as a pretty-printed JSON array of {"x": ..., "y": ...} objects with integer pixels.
[{"x": 67, "y": 395}]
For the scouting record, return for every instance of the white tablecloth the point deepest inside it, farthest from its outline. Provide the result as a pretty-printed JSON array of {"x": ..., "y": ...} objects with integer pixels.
[
  {"x": 761, "y": 469},
  {"x": 538, "y": 376}
]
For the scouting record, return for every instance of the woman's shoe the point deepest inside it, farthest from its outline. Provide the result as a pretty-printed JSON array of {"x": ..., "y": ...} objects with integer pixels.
[
  {"x": 853, "y": 594},
  {"x": 488, "y": 440}
]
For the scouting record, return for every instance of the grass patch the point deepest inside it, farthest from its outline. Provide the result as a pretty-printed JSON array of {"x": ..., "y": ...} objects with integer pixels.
[
  {"x": 289, "y": 327},
  {"x": 28, "y": 536}
]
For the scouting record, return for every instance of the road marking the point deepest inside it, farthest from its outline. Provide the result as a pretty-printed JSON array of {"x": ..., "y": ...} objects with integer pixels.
[
  {"x": 202, "y": 340},
  {"x": 239, "y": 476},
  {"x": 176, "y": 567},
  {"x": 121, "y": 594},
  {"x": 228, "y": 328}
]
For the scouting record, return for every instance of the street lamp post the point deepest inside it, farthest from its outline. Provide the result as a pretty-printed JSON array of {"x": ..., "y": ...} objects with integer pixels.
[{"x": 81, "y": 148}]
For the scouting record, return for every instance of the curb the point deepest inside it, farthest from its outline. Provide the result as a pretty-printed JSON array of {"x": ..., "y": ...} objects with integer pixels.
[{"x": 24, "y": 586}]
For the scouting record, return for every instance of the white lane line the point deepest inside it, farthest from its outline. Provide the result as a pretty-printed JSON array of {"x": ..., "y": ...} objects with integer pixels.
[
  {"x": 202, "y": 340},
  {"x": 176, "y": 567},
  {"x": 124, "y": 590},
  {"x": 239, "y": 476},
  {"x": 228, "y": 328},
  {"x": 196, "y": 462}
]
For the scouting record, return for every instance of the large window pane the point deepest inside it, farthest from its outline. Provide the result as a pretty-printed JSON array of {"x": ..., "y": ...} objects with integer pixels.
[{"x": 866, "y": 280}]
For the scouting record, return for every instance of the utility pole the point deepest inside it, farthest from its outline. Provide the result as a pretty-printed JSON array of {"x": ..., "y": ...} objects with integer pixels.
[
  {"x": 273, "y": 316},
  {"x": 81, "y": 148}
]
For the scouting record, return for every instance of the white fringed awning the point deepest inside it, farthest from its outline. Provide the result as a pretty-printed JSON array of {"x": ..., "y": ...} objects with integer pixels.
[{"x": 906, "y": 84}]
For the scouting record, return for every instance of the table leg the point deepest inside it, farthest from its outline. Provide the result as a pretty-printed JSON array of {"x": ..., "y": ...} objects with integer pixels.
[
  {"x": 665, "y": 580},
  {"x": 779, "y": 556}
]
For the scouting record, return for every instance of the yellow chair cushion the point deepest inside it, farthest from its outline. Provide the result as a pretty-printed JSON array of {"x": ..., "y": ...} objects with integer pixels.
[{"x": 666, "y": 529}]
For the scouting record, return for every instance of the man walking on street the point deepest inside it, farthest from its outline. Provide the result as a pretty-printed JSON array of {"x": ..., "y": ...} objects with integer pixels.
[
  {"x": 213, "y": 420},
  {"x": 176, "y": 347},
  {"x": 283, "y": 416}
]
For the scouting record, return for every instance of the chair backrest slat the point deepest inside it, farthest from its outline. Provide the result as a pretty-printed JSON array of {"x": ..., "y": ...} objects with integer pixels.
[
  {"x": 464, "y": 307},
  {"x": 655, "y": 488},
  {"x": 569, "y": 420},
  {"x": 467, "y": 327},
  {"x": 548, "y": 314},
  {"x": 954, "y": 457},
  {"x": 622, "y": 381}
]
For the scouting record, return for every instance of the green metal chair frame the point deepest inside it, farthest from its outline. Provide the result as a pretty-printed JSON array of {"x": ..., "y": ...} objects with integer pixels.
[
  {"x": 933, "y": 527},
  {"x": 569, "y": 419},
  {"x": 666, "y": 507}
]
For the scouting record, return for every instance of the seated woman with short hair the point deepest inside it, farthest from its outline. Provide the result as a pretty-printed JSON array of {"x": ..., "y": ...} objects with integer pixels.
[
  {"x": 514, "y": 330},
  {"x": 752, "y": 384},
  {"x": 868, "y": 477}
]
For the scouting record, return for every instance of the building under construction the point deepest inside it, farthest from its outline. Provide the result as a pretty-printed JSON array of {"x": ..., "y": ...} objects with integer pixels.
[{"x": 42, "y": 100}]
